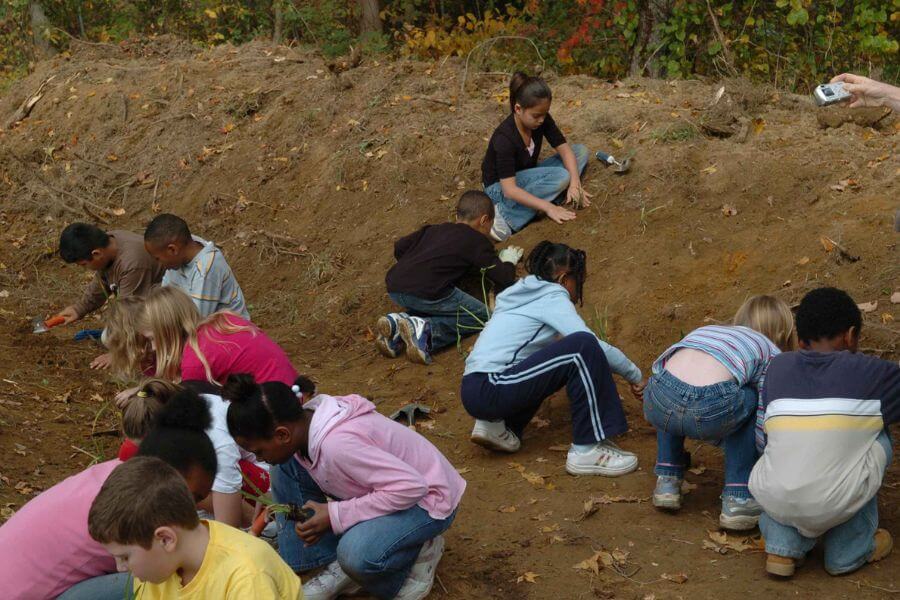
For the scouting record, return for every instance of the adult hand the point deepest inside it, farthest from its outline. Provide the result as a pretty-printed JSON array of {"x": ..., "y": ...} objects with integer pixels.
[
  {"x": 558, "y": 214},
  {"x": 312, "y": 529},
  {"x": 511, "y": 254},
  {"x": 868, "y": 92},
  {"x": 69, "y": 314},
  {"x": 577, "y": 196},
  {"x": 124, "y": 397},
  {"x": 102, "y": 362},
  {"x": 637, "y": 390}
]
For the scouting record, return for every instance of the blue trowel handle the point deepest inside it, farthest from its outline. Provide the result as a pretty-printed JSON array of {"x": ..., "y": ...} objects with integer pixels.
[{"x": 604, "y": 157}]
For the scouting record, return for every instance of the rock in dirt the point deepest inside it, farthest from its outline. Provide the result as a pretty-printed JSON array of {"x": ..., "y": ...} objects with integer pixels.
[{"x": 835, "y": 116}]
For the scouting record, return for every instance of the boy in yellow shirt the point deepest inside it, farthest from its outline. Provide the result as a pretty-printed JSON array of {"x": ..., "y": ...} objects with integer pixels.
[{"x": 145, "y": 517}]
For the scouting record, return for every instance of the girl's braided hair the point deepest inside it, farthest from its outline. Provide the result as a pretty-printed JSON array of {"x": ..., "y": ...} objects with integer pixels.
[{"x": 547, "y": 258}]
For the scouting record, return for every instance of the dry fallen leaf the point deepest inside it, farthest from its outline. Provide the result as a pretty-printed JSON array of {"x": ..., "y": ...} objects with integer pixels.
[
  {"x": 528, "y": 576},
  {"x": 724, "y": 542},
  {"x": 710, "y": 169},
  {"x": 529, "y": 476},
  {"x": 118, "y": 211},
  {"x": 886, "y": 318},
  {"x": 758, "y": 125},
  {"x": 507, "y": 509},
  {"x": 675, "y": 577},
  {"x": 592, "y": 564},
  {"x": 827, "y": 243},
  {"x": 803, "y": 261},
  {"x": 728, "y": 210},
  {"x": 591, "y": 505},
  {"x": 868, "y": 307}
]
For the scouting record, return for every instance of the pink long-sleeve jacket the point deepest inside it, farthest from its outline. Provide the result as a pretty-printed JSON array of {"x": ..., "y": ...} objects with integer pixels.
[{"x": 373, "y": 465}]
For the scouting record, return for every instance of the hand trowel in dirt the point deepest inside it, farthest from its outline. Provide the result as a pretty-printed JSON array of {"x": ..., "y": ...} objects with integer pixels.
[
  {"x": 610, "y": 161},
  {"x": 42, "y": 326}
]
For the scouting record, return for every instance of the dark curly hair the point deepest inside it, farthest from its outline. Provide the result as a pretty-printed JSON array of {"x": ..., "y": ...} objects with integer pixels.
[
  {"x": 547, "y": 258},
  {"x": 825, "y": 313},
  {"x": 255, "y": 409}
]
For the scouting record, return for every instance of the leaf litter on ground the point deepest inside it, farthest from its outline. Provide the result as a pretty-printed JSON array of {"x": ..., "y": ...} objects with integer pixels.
[
  {"x": 530, "y": 476},
  {"x": 617, "y": 560},
  {"x": 593, "y": 504},
  {"x": 721, "y": 543}
]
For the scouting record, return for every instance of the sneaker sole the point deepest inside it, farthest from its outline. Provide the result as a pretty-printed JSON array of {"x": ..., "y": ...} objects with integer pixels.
[
  {"x": 383, "y": 341},
  {"x": 781, "y": 569},
  {"x": 667, "y": 501},
  {"x": 413, "y": 353},
  {"x": 738, "y": 523},
  {"x": 604, "y": 471},
  {"x": 490, "y": 444}
]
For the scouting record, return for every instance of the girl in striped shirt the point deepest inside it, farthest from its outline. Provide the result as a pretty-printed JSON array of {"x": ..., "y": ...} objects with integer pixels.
[{"x": 706, "y": 387}]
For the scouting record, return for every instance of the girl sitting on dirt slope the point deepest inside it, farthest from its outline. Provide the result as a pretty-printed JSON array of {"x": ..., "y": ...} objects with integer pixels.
[
  {"x": 184, "y": 347},
  {"x": 517, "y": 183},
  {"x": 707, "y": 387},
  {"x": 397, "y": 493},
  {"x": 534, "y": 344}
]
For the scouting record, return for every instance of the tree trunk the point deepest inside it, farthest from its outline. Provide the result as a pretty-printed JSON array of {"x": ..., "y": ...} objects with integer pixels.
[
  {"x": 645, "y": 24},
  {"x": 279, "y": 21},
  {"x": 369, "y": 19},
  {"x": 39, "y": 26},
  {"x": 660, "y": 10}
]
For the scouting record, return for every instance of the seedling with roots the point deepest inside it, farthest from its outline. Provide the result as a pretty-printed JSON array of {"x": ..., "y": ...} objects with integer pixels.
[
  {"x": 291, "y": 512},
  {"x": 600, "y": 323},
  {"x": 463, "y": 309},
  {"x": 645, "y": 213}
]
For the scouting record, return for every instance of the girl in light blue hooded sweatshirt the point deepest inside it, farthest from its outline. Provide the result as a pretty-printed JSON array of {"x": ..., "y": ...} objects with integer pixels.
[{"x": 534, "y": 344}]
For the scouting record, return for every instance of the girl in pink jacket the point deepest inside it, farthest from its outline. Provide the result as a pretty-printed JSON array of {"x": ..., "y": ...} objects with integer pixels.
[{"x": 393, "y": 492}]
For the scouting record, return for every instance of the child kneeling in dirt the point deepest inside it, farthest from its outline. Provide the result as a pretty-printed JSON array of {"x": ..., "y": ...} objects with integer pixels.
[
  {"x": 145, "y": 517},
  {"x": 430, "y": 264},
  {"x": 397, "y": 492},
  {"x": 534, "y": 344},
  {"x": 826, "y": 442},
  {"x": 195, "y": 265},
  {"x": 519, "y": 185},
  {"x": 706, "y": 386},
  {"x": 45, "y": 549}
]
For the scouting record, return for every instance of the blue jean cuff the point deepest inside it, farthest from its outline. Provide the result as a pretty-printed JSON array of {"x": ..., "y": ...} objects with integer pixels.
[
  {"x": 784, "y": 551},
  {"x": 741, "y": 492},
  {"x": 667, "y": 471}
]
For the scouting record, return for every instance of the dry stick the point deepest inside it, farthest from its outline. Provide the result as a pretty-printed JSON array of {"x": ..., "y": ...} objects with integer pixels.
[
  {"x": 874, "y": 587},
  {"x": 721, "y": 37},
  {"x": 96, "y": 164},
  {"x": 443, "y": 587},
  {"x": 117, "y": 188},
  {"x": 81, "y": 41},
  {"x": 462, "y": 85},
  {"x": 25, "y": 108}
]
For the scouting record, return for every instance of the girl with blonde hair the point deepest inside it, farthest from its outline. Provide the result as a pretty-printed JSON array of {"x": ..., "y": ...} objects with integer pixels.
[
  {"x": 189, "y": 348},
  {"x": 129, "y": 351},
  {"x": 706, "y": 387}
]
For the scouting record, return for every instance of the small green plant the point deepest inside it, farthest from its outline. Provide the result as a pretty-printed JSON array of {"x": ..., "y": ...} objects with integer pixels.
[
  {"x": 462, "y": 309},
  {"x": 644, "y": 214},
  {"x": 599, "y": 323},
  {"x": 675, "y": 132}
]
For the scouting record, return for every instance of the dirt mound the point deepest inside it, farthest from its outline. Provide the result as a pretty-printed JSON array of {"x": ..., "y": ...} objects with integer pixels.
[{"x": 305, "y": 173}]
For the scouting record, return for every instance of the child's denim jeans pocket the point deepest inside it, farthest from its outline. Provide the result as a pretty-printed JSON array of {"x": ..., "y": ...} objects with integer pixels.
[{"x": 714, "y": 422}]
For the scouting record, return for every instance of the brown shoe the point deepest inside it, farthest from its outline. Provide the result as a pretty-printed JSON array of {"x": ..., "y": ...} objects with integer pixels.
[
  {"x": 780, "y": 565},
  {"x": 884, "y": 543}
]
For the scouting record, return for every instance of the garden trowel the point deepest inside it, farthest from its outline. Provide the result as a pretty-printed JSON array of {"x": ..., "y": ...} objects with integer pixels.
[
  {"x": 410, "y": 412},
  {"x": 610, "y": 160},
  {"x": 43, "y": 326}
]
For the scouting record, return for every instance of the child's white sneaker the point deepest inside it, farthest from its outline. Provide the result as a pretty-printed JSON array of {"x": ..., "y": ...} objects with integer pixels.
[
  {"x": 329, "y": 584},
  {"x": 421, "y": 577},
  {"x": 604, "y": 458},
  {"x": 494, "y": 435}
]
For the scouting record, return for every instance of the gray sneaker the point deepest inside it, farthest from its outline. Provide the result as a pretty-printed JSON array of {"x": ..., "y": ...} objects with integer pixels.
[
  {"x": 739, "y": 514},
  {"x": 667, "y": 494}
]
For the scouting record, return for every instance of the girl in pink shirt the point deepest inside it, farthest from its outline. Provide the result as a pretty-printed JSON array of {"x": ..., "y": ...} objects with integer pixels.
[
  {"x": 190, "y": 348},
  {"x": 396, "y": 493}
]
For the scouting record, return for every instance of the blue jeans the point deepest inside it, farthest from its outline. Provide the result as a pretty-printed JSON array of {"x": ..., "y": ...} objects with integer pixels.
[
  {"x": 113, "y": 586},
  {"x": 847, "y": 546},
  {"x": 724, "y": 411},
  {"x": 549, "y": 181},
  {"x": 452, "y": 317},
  {"x": 292, "y": 484},
  {"x": 379, "y": 553}
]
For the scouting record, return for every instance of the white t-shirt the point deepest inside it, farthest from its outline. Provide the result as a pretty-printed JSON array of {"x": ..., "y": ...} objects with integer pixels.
[{"x": 228, "y": 474}]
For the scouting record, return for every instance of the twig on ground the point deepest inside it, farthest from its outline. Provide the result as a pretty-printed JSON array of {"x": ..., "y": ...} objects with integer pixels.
[
  {"x": 96, "y": 164},
  {"x": 441, "y": 583},
  {"x": 861, "y": 583}
]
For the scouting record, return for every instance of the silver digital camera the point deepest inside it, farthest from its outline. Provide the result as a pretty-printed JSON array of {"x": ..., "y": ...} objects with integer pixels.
[{"x": 830, "y": 93}]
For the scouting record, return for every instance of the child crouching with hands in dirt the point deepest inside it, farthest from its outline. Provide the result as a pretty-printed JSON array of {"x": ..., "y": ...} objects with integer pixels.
[
  {"x": 396, "y": 492},
  {"x": 534, "y": 344},
  {"x": 707, "y": 386}
]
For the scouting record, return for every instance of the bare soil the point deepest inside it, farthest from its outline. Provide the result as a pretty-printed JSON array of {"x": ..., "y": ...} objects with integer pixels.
[{"x": 305, "y": 176}]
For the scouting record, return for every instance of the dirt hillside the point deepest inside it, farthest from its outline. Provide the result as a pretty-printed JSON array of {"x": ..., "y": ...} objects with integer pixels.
[{"x": 305, "y": 172}]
